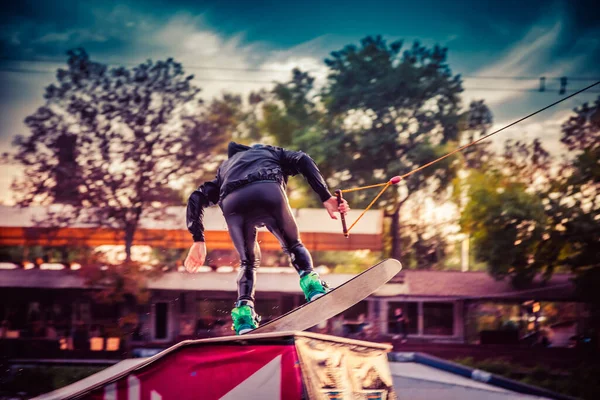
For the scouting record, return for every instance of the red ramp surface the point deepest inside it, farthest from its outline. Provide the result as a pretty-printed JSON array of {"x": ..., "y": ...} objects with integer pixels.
[{"x": 288, "y": 365}]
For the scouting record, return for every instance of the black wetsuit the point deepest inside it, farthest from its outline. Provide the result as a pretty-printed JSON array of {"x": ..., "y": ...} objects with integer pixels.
[{"x": 250, "y": 189}]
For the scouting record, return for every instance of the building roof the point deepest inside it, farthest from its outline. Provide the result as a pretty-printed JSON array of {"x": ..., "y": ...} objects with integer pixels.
[
  {"x": 476, "y": 285},
  {"x": 26, "y": 227},
  {"x": 432, "y": 284},
  {"x": 308, "y": 219}
]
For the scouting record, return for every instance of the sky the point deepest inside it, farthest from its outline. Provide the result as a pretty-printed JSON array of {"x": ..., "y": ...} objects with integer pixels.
[{"x": 240, "y": 46}]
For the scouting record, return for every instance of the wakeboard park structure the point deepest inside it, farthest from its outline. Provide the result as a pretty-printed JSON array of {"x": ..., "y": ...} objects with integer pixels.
[{"x": 278, "y": 365}]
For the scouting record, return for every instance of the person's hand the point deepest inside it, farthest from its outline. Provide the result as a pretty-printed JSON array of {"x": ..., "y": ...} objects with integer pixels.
[
  {"x": 196, "y": 256},
  {"x": 331, "y": 205}
]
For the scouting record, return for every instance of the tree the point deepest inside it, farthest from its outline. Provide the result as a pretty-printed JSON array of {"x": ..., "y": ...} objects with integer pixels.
[
  {"x": 575, "y": 201},
  {"x": 507, "y": 222},
  {"x": 289, "y": 113},
  {"x": 109, "y": 141},
  {"x": 528, "y": 214},
  {"x": 387, "y": 113}
]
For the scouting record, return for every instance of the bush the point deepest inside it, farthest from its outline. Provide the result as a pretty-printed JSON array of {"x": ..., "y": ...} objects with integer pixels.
[
  {"x": 38, "y": 380},
  {"x": 581, "y": 381}
]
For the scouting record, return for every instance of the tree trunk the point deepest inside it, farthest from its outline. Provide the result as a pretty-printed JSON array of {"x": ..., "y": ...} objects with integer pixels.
[
  {"x": 129, "y": 232},
  {"x": 395, "y": 233},
  {"x": 130, "y": 228}
]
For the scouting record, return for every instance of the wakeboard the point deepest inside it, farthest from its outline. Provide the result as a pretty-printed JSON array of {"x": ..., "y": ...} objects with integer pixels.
[{"x": 335, "y": 301}]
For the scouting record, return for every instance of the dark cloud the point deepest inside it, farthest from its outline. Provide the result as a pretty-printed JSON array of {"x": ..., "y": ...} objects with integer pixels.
[{"x": 480, "y": 25}]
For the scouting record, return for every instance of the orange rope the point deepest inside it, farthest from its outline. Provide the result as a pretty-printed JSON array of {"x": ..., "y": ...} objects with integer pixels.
[
  {"x": 363, "y": 187},
  {"x": 369, "y": 206}
]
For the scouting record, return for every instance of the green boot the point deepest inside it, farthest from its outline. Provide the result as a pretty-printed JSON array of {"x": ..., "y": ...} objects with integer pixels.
[
  {"x": 312, "y": 286},
  {"x": 244, "y": 319}
]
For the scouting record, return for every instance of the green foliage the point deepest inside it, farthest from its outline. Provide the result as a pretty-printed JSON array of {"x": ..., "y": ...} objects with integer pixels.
[
  {"x": 577, "y": 208},
  {"x": 289, "y": 111},
  {"x": 388, "y": 111},
  {"x": 527, "y": 216},
  {"x": 35, "y": 380},
  {"x": 344, "y": 262},
  {"x": 579, "y": 381},
  {"x": 383, "y": 111},
  {"x": 507, "y": 225},
  {"x": 109, "y": 141}
]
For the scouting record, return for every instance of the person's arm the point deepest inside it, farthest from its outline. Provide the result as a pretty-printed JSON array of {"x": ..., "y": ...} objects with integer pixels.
[
  {"x": 298, "y": 162},
  {"x": 206, "y": 195}
]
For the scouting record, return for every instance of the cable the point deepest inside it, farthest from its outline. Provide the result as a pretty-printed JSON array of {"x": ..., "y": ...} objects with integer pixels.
[
  {"x": 214, "y": 68},
  {"x": 204, "y": 67},
  {"x": 25, "y": 70},
  {"x": 526, "y": 78},
  {"x": 256, "y": 81},
  {"x": 500, "y": 130},
  {"x": 401, "y": 177}
]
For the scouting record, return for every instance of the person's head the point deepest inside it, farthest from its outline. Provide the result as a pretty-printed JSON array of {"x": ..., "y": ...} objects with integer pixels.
[
  {"x": 235, "y": 148},
  {"x": 398, "y": 311}
]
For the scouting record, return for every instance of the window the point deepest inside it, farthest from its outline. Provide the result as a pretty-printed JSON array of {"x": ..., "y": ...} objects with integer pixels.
[
  {"x": 160, "y": 323},
  {"x": 410, "y": 312},
  {"x": 438, "y": 319}
]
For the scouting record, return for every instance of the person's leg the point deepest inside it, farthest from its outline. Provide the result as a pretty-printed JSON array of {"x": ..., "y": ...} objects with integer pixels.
[
  {"x": 282, "y": 224},
  {"x": 243, "y": 234}
]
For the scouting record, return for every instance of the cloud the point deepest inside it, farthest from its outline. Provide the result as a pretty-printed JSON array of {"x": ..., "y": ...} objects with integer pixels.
[
  {"x": 528, "y": 57},
  {"x": 219, "y": 63},
  {"x": 222, "y": 63},
  {"x": 547, "y": 49},
  {"x": 547, "y": 128},
  {"x": 73, "y": 37}
]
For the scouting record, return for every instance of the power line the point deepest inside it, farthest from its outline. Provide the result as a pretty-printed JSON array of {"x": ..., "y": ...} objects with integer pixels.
[
  {"x": 522, "y": 90},
  {"x": 132, "y": 64},
  {"x": 498, "y": 130},
  {"x": 272, "y": 82},
  {"x": 528, "y": 78},
  {"x": 26, "y": 70},
  {"x": 219, "y": 68},
  {"x": 397, "y": 179}
]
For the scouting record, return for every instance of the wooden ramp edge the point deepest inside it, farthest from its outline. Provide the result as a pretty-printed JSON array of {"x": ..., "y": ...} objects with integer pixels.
[{"x": 126, "y": 367}]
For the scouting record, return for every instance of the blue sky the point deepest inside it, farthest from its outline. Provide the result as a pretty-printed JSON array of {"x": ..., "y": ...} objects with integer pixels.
[{"x": 493, "y": 38}]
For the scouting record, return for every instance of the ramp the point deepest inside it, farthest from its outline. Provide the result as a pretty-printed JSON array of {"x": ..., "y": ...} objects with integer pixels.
[{"x": 279, "y": 365}]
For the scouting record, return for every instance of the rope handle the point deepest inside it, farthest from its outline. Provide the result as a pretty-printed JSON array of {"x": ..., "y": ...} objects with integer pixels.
[
  {"x": 338, "y": 194},
  {"x": 395, "y": 180}
]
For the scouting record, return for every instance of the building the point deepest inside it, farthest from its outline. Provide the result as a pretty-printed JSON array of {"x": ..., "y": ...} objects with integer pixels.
[
  {"x": 33, "y": 226},
  {"x": 184, "y": 306},
  {"x": 55, "y": 301}
]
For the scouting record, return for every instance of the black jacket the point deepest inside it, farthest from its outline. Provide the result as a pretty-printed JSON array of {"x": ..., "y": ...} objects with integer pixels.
[{"x": 246, "y": 165}]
